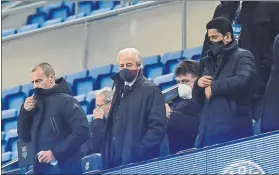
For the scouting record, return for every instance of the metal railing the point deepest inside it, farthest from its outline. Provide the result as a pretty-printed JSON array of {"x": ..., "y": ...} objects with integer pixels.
[{"x": 9, "y": 163}]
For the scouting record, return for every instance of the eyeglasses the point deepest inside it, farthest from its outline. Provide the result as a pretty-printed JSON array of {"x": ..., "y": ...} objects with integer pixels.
[{"x": 98, "y": 106}]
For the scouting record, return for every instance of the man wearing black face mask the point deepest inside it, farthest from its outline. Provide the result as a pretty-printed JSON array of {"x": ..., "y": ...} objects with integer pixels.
[
  {"x": 54, "y": 122},
  {"x": 136, "y": 123},
  {"x": 224, "y": 87}
]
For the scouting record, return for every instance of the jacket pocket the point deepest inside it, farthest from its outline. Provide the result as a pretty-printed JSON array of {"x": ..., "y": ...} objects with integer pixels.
[{"x": 54, "y": 125}]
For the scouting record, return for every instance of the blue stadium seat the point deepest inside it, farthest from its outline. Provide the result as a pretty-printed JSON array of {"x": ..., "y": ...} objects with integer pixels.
[
  {"x": 80, "y": 15},
  {"x": 14, "y": 155},
  {"x": 115, "y": 68},
  {"x": 27, "y": 89},
  {"x": 6, "y": 157},
  {"x": 165, "y": 81},
  {"x": 134, "y": 2},
  {"x": 101, "y": 76},
  {"x": 90, "y": 101},
  {"x": 28, "y": 27},
  {"x": 11, "y": 139},
  {"x": 117, "y": 6},
  {"x": 82, "y": 102},
  {"x": 171, "y": 60},
  {"x": 106, "y": 4},
  {"x": 70, "y": 5},
  {"x": 3, "y": 142},
  {"x": 9, "y": 119},
  {"x": 46, "y": 9},
  {"x": 91, "y": 162},
  {"x": 8, "y": 32},
  {"x": 192, "y": 54},
  {"x": 80, "y": 82},
  {"x": 61, "y": 12},
  {"x": 86, "y": 7},
  {"x": 38, "y": 18},
  {"x": 90, "y": 118},
  {"x": 13, "y": 98},
  {"x": 152, "y": 67},
  {"x": 52, "y": 22}
]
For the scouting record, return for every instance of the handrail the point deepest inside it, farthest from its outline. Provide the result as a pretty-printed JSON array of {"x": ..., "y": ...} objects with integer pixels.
[
  {"x": 9, "y": 163},
  {"x": 88, "y": 18}
]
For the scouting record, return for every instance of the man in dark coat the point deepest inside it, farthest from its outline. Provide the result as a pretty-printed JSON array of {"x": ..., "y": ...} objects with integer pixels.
[
  {"x": 183, "y": 123},
  {"x": 256, "y": 24},
  {"x": 54, "y": 122},
  {"x": 226, "y": 114},
  {"x": 136, "y": 124},
  {"x": 270, "y": 116}
]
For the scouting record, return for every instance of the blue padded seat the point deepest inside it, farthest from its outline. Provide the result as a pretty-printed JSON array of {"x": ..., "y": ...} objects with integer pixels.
[
  {"x": 38, "y": 18},
  {"x": 170, "y": 60},
  {"x": 86, "y": 7},
  {"x": 192, "y": 54},
  {"x": 9, "y": 119},
  {"x": 101, "y": 76},
  {"x": 52, "y": 22},
  {"x": 6, "y": 157},
  {"x": 27, "y": 89},
  {"x": 91, "y": 162},
  {"x": 80, "y": 15},
  {"x": 82, "y": 102},
  {"x": 11, "y": 139},
  {"x": 152, "y": 67},
  {"x": 8, "y": 32},
  {"x": 61, "y": 12},
  {"x": 28, "y": 27},
  {"x": 79, "y": 82},
  {"x": 3, "y": 142},
  {"x": 115, "y": 68},
  {"x": 90, "y": 101},
  {"x": 165, "y": 81},
  {"x": 13, "y": 98},
  {"x": 106, "y": 4},
  {"x": 46, "y": 9}
]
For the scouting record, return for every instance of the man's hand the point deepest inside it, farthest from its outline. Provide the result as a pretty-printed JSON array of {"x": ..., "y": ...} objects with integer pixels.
[
  {"x": 208, "y": 93},
  {"x": 168, "y": 109},
  {"x": 46, "y": 156},
  {"x": 204, "y": 81},
  {"x": 97, "y": 114},
  {"x": 30, "y": 103}
]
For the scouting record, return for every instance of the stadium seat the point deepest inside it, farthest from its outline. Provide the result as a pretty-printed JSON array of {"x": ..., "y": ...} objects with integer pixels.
[
  {"x": 82, "y": 102},
  {"x": 165, "y": 81},
  {"x": 7, "y": 156},
  {"x": 115, "y": 68},
  {"x": 3, "y": 142},
  {"x": 90, "y": 100},
  {"x": 14, "y": 155},
  {"x": 106, "y": 4},
  {"x": 52, "y": 22},
  {"x": 101, "y": 76},
  {"x": 91, "y": 162},
  {"x": 11, "y": 139},
  {"x": 80, "y": 15},
  {"x": 28, "y": 27},
  {"x": 62, "y": 12},
  {"x": 134, "y": 2},
  {"x": 86, "y": 7},
  {"x": 192, "y": 54},
  {"x": 13, "y": 98},
  {"x": 117, "y": 6},
  {"x": 38, "y": 18},
  {"x": 170, "y": 60},
  {"x": 89, "y": 118},
  {"x": 80, "y": 82},
  {"x": 152, "y": 67},
  {"x": 27, "y": 89},
  {"x": 70, "y": 5},
  {"x": 9, "y": 119},
  {"x": 46, "y": 9},
  {"x": 8, "y": 32}
]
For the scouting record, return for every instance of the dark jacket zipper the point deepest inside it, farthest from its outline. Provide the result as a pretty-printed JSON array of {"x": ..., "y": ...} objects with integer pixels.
[{"x": 54, "y": 125}]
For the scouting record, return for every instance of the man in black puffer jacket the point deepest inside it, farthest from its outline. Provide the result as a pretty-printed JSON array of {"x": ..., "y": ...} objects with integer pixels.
[
  {"x": 224, "y": 87},
  {"x": 54, "y": 122}
]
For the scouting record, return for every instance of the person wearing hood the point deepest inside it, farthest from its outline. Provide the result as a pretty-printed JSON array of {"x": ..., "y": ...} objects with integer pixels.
[
  {"x": 183, "y": 123},
  {"x": 136, "y": 123},
  {"x": 270, "y": 115},
  {"x": 55, "y": 124},
  {"x": 224, "y": 87}
]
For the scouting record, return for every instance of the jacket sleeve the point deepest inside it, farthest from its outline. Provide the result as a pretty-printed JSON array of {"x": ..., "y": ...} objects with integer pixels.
[
  {"x": 157, "y": 122},
  {"x": 244, "y": 71},
  {"x": 77, "y": 121},
  {"x": 24, "y": 123},
  {"x": 98, "y": 134}
]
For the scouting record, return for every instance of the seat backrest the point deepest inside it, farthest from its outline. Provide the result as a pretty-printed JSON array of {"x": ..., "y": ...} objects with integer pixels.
[{"x": 91, "y": 162}]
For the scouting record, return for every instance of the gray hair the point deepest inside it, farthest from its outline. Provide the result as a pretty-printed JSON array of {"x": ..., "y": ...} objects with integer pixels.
[
  {"x": 107, "y": 93},
  {"x": 131, "y": 51},
  {"x": 47, "y": 69}
]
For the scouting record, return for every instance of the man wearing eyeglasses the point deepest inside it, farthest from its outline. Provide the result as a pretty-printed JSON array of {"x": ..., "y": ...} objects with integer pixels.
[{"x": 100, "y": 113}]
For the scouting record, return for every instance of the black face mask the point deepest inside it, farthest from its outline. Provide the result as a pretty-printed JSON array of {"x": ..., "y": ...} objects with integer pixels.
[
  {"x": 216, "y": 47},
  {"x": 128, "y": 75},
  {"x": 38, "y": 91}
]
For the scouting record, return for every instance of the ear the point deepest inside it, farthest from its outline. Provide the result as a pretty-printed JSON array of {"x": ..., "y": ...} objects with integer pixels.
[
  {"x": 228, "y": 37},
  {"x": 51, "y": 77}
]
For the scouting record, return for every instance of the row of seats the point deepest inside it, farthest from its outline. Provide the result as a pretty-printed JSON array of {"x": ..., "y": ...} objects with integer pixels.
[
  {"x": 155, "y": 68},
  {"x": 63, "y": 11}
]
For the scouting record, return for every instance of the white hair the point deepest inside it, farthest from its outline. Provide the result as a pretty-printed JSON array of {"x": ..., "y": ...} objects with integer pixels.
[
  {"x": 131, "y": 51},
  {"x": 107, "y": 93}
]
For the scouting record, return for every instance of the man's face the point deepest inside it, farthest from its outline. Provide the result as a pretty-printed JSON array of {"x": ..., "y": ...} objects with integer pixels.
[
  {"x": 39, "y": 79},
  {"x": 215, "y": 36},
  {"x": 100, "y": 103},
  {"x": 188, "y": 79},
  {"x": 128, "y": 61}
]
